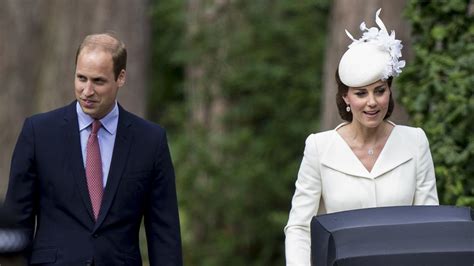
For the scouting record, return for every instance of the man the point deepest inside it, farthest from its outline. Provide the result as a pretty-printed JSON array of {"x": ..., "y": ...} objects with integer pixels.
[{"x": 83, "y": 176}]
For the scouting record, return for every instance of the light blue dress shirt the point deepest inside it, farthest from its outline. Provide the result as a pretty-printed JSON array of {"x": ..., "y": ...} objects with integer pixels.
[{"x": 106, "y": 136}]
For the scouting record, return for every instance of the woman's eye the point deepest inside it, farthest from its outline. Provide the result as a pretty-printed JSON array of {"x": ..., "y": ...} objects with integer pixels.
[
  {"x": 360, "y": 93},
  {"x": 380, "y": 91}
]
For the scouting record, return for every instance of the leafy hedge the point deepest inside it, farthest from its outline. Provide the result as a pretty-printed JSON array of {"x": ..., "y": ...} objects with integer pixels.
[{"x": 437, "y": 90}]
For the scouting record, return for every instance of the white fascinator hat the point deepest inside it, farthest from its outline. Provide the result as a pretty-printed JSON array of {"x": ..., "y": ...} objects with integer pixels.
[{"x": 375, "y": 56}]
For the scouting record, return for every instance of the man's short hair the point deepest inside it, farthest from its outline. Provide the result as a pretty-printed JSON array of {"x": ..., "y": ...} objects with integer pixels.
[{"x": 108, "y": 42}]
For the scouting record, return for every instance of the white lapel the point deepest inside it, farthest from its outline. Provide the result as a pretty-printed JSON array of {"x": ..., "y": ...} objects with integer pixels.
[
  {"x": 339, "y": 156},
  {"x": 395, "y": 152}
]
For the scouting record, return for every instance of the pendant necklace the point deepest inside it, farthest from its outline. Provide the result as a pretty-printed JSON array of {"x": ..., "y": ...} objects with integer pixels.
[{"x": 370, "y": 151}]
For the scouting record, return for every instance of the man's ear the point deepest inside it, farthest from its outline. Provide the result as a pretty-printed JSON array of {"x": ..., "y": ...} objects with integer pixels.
[{"x": 121, "y": 78}]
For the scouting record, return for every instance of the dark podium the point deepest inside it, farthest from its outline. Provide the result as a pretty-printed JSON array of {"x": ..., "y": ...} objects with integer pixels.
[{"x": 409, "y": 235}]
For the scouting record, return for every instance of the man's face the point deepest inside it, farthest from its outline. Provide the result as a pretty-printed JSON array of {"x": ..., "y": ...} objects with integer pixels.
[{"x": 95, "y": 85}]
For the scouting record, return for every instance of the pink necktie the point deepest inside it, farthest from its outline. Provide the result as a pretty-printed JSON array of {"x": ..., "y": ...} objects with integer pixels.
[{"x": 94, "y": 169}]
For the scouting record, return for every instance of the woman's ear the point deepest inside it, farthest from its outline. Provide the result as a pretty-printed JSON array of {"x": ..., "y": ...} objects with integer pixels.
[{"x": 345, "y": 98}]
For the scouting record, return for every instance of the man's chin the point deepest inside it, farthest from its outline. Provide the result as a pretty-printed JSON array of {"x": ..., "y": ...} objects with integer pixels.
[{"x": 89, "y": 111}]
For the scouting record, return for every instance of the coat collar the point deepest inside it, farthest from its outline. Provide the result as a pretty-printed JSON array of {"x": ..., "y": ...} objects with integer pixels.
[
  {"x": 120, "y": 154},
  {"x": 119, "y": 158},
  {"x": 340, "y": 157},
  {"x": 73, "y": 139}
]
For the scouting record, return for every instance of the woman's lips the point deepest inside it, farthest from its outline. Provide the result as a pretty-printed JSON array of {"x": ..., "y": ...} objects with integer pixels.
[{"x": 371, "y": 113}]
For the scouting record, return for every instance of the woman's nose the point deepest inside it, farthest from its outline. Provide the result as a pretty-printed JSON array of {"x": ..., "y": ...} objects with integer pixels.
[{"x": 371, "y": 100}]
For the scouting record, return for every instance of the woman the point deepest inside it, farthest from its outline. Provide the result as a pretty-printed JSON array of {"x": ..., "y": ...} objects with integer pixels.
[{"x": 368, "y": 161}]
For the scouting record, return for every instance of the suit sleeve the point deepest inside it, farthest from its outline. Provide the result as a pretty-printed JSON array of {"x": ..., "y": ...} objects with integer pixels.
[
  {"x": 425, "y": 193},
  {"x": 22, "y": 187},
  {"x": 305, "y": 205},
  {"x": 161, "y": 217}
]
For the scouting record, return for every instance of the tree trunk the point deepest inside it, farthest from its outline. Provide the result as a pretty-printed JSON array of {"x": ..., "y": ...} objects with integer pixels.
[
  {"x": 202, "y": 74},
  {"x": 39, "y": 42},
  {"x": 348, "y": 14},
  {"x": 204, "y": 98}
]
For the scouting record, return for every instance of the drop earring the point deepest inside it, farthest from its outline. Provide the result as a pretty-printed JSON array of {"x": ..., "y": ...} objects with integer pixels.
[{"x": 348, "y": 108}]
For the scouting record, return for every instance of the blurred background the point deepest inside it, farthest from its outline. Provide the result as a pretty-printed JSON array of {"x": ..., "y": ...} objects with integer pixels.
[{"x": 239, "y": 85}]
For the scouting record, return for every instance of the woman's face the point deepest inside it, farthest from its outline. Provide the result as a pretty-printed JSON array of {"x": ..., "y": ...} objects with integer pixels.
[{"x": 369, "y": 104}]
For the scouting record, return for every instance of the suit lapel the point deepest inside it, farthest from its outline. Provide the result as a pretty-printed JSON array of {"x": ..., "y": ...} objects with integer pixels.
[
  {"x": 395, "y": 152},
  {"x": 120, "y": 154},
  {"x": 340, "y": 157},
  {"x": 73, "y": 139}
]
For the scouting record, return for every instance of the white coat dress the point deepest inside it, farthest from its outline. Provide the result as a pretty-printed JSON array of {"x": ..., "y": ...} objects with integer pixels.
[{"x": 331, "y": 178}]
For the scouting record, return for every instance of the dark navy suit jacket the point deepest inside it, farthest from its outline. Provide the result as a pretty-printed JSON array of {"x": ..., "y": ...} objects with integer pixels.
[{"x": 49, "y": 196}]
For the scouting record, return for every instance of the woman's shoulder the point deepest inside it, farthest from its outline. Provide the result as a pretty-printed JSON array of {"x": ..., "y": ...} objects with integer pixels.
[
  {"x": 411, "y": 135},
  {"x": 322, "y": 135},
  {"x": 321, "y": 139},
  {"x": 325, "y": 136},
  {"x": 410, "y": 131}
]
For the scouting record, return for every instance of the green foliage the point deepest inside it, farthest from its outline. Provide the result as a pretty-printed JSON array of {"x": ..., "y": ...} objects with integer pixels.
[
  {"x": 166, "y": 92},
  {"x": 235, "y": 184},
  {"x": 437, "y": 89}
]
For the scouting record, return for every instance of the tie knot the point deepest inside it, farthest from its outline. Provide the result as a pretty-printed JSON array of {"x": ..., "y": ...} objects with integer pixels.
[{"x": 96, "y": 126}]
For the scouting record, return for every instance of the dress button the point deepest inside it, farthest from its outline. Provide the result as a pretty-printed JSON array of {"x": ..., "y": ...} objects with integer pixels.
[{"x": 95, "y": 235}]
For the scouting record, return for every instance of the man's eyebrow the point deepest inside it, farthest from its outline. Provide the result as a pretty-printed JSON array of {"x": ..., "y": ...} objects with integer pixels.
[{"x": 100, "y": 78}]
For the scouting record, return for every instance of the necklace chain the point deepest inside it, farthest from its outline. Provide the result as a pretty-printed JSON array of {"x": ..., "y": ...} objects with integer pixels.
[{"x": 372, "y": 149}]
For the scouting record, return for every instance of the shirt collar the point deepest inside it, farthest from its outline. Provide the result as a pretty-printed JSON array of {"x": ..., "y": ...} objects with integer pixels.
[{"x": 109, "y": 122}]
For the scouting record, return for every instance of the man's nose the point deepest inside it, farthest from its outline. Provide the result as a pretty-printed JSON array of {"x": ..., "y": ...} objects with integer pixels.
[{"x": 88, "y": 89}]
